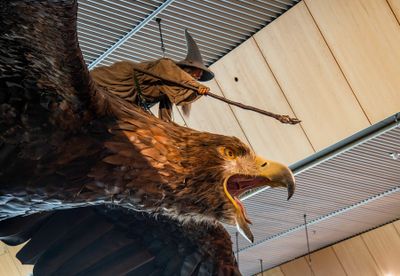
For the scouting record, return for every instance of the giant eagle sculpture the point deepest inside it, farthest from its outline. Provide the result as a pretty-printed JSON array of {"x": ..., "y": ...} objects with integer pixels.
[{"x": 98, "y": 186}]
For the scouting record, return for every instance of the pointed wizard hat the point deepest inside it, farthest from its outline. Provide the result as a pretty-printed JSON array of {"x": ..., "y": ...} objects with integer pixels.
[{"x": 194, "y": 59}]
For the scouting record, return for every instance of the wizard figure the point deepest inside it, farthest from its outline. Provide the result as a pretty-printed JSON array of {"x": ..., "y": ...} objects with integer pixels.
[{"x": 124, "y": 79}]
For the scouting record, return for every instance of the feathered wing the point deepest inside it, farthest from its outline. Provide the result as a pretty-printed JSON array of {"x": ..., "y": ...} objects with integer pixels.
[
  {"x": 53, "y": 143},
  {"x": 40, "y": 54},
  {"x": 54, "y": 123},
  {"x": 114, "y": 241},
  {"x": 45, "y": 99}
]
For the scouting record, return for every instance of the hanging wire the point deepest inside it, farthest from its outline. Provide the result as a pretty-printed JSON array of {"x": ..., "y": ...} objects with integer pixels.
[
  {"x": 161, "y": 37},
  {"x": 158, "y": 20},
  {"x": 237, "y": 248},
  {"x": 308, "y": 242}
]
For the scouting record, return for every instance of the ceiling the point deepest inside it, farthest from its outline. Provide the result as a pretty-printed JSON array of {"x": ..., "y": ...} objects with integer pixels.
[
  {"x": 349, "y": 188},
  {"x": 125, "y": 29}
]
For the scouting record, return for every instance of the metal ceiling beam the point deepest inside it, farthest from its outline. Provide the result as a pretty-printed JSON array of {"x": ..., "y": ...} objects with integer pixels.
[
  {"x": 336, "y": 149},
  {"x": 130, "y": 34},
  {"x": 346, "y": 144}
]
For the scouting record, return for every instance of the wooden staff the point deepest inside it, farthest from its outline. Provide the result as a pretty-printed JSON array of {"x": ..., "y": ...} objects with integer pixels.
[{"x": 282, "y": 118}]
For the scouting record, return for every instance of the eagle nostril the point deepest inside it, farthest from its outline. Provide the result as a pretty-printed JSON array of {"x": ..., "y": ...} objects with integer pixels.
[{"x": 263, "y": 165}]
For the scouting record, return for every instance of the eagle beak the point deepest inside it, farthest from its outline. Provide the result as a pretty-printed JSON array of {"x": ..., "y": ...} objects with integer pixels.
[
  {"x": 277, "y": 175},
  {"x": 269, "y": 173},
  {"x": 243, "y": 228}
]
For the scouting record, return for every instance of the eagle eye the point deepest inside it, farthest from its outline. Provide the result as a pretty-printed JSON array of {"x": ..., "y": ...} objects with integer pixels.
[{"x": 228, "y": 153}]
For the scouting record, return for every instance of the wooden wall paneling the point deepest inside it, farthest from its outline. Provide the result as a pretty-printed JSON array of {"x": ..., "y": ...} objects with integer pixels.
[
  {"x": 3, "y": 248},
  {"x": 384, "y": 245},
  {"x": 208, "y": 114},
  {"x": 397, "y": 226},
  {"x": 364, "y": 36},
  {"x": 395, "y": 6},
  {"x": 354, "y": 256},
  {"x": 297, "y": 267},
  {"x": 325, "y": 263},
  {"x": 7, "y": 266},
  {"x": 23, "y": 269},
  {"x": 310, "y": 78},
  {"x": 276, "y": 271},
  {"x": 256, "y": 86}
]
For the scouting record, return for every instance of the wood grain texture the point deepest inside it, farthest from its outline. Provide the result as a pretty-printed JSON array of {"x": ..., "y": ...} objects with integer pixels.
[
  {"x": 395, "y": 6},
  {"x": 272, "y": 272},
  {"x": 297, "y": 267},
  {"x": 3, "y": 249},
  {"x": 211, "y": 115},
  {"x": 7, "y": 266},
  {"x": 364, "y": 36},
  {"x": 356, "y": 256},
  {"x": 310, "y": 78},
  {"x": 353, "y": 254},
  {"x": 325, "y": 263},
  {"x": 384, "y": 245},
  {"x": 397, "y": 226},
  {"x": 23, "y": 269},
  {"x": 256, "y": 86}
]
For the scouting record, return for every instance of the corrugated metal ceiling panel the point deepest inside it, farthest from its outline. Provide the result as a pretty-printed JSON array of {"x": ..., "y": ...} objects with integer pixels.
[
  {"x": 217, "y": 26},
  {"x": 275, "y": 251},
  {"x": 349, "y": 193}
]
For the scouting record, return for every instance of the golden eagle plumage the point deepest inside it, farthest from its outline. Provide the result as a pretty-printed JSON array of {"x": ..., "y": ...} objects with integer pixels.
[{"x": 65, "y": 143}]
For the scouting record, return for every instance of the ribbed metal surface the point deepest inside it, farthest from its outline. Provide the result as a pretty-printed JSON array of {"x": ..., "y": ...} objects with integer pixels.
[
  {"x": 217, "y": 25},
  {"x": 354, "y": 191}
]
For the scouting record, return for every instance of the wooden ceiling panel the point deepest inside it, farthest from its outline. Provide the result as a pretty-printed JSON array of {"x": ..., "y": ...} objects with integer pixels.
[
  {"x": 297, "y": 267},
  {"x": 211, "y": 115},
  {"x": 353, "y": 254},
  {"x": 364, "y": 36},
  {"x": 397, "y": 226},
  {"x": 324, "y": 262},
  {"x": 7, "y": 266},
  {"x": 272, "y": 272},
  {"x": 310, "y": 78},
  {"x": 244, "y": 76},
  {"x": 384, "y": 245},
  {"x": 24, "y": 270},
  {"x": 395, "y": 6}
]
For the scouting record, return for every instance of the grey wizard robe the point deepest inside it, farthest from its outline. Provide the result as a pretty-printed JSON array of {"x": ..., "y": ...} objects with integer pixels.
[{"x": 119, "y": 79}]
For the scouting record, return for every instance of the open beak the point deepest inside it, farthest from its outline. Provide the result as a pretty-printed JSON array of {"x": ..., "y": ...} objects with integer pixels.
[
  {"x": 268, "y": 173},
  {"x": 277, "y": 175}
]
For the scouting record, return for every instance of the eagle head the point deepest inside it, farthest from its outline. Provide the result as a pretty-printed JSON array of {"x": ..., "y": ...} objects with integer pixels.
[
  {"x": 220, "y": 170},
  {"x": 189, "y": 174}
]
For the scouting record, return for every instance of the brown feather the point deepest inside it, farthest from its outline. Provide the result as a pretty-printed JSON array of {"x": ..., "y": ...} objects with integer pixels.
[{"x": 67, "y": 143}]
